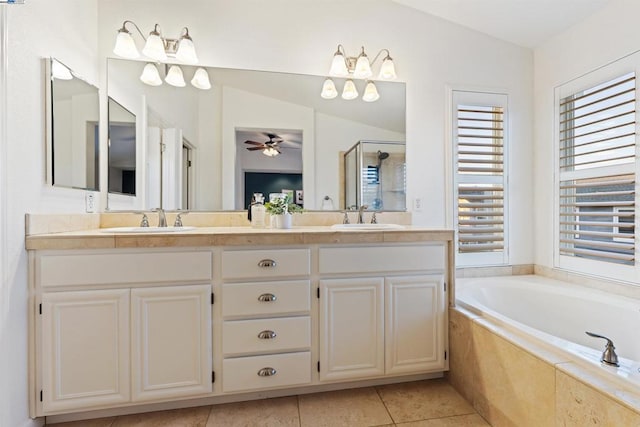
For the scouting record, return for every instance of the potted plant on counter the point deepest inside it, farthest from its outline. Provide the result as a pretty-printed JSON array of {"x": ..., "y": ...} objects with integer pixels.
[{"x": 281, "y": 209}]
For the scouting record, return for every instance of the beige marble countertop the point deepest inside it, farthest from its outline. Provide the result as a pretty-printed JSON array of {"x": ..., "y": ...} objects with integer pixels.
[{"x": 231, "y": 236}]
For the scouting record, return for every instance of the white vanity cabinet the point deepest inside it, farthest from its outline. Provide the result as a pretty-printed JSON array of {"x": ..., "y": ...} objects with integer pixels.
[
  {"x": 108, "y": 335},
  {"x": 266, "y": 327},
  {"x": 380, "y": 317}
]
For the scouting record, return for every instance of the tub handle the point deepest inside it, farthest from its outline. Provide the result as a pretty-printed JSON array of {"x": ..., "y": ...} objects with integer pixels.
[{"x": 609, "y": 356}]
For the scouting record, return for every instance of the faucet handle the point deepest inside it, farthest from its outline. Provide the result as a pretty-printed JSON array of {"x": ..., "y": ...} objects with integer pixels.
[
  {"x": 609, "y": 356},
  {"x": 145, "y": 221},
  {"x": 178, "y": 221},
  {"x": 374, "y": 219},
  {"x": 345, "y": 219}
]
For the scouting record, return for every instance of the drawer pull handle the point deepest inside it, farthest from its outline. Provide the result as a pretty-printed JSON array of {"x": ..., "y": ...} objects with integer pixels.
[
  {"x": 267, "y": 372},
  {"x": 267, "y": 298},
  {"x": 266, "y": 263},
  {"x": 267, "y": 335}
]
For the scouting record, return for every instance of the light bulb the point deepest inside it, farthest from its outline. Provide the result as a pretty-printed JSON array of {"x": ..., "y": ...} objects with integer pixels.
[
  {"x": 186, "y": 50},
  {"x": 370, "y": 92},
  {"x": 338, "y": 66},
  {"x": 201, "y": 79},
  {"x": 363, "y": 68},
  {"x": 349, "y": 92},
  {"x": 175, "y": 77},
  {"x": 125, "y": 46},
  {"x": 387, "y": 69},
  {"x": 329, "y": 89},
  {"x": 154, "y": 47},
  {"x": 150, "y": 75},
  {"x": 270, "y": 151}
]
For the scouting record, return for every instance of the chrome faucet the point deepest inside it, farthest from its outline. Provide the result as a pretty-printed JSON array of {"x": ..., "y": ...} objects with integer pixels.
[
  {"x": 609, "y": 356},
  {"x": 162, "y": 218},
  {"x": 360, "y": 217}
]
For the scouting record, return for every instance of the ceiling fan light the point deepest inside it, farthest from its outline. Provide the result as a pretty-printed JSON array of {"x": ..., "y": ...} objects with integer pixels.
[
  {"x": 186, "y": 50},
  {"x": 349, "y": 91},
  {"x": 329, "y": 89},
  {"x": 370, "y": 92},
  {"x": 175, "y": 77},
  {"x": 338, "y": 66},
  {"x": 200, "y": 79},
  {"x": 150, "y": 75},
  {"x": 387, "y": 69},
  {"x": 363, "y": 67},
  {"x": 270, "y": 151},
  {"x": 59, "y": 71},
  {"x": 154, "y": 47}
]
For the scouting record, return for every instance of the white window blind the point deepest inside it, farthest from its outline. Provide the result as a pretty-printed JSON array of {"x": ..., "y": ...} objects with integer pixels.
[
  {"x": 479, "y": 151},
  {"x": 597, "y": 150}
]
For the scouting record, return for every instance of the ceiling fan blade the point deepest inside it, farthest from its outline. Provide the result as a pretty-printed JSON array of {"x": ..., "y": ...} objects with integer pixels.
[
  {"x": 254, "y": 142},
  {"x": 255, "y": 148}
]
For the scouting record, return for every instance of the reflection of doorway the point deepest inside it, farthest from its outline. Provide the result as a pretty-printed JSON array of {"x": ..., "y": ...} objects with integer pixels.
[
  {"x": 187, "y": 175},
  {"x": 268, "y": 151},
  {"x": 265, "y": 183}
]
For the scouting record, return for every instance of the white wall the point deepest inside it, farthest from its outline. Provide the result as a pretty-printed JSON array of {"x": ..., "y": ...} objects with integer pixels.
[
  {"x": 65, "y": 29},
  {"x": 602, "y": 38}
]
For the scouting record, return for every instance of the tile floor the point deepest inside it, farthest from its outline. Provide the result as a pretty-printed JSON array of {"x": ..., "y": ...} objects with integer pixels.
[{"x": 432, "y": 403}]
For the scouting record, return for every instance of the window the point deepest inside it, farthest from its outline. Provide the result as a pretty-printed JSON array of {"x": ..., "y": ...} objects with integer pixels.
[
  {"x": 479, "y": 135},
  {"x": 596, "y": 185}
]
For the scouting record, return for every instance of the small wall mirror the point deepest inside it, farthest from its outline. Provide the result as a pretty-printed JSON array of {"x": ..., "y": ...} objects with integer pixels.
[
  {"x": 122, "y": 149},
  {"x": 73, "y": 114}
]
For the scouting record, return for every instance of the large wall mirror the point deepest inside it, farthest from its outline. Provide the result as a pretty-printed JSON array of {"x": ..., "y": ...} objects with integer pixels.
[
  {"x": 205, "y": 149},
  {"x": 73, "y": 114}
]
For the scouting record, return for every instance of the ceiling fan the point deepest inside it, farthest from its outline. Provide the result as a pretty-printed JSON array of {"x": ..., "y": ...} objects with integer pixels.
[{"x": 269, "y": 148}]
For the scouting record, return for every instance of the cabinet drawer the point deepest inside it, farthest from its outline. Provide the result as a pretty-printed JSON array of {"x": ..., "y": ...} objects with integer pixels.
[
  {"x": 257, "y": 299},
  {"x": 244, "y": 373},
  {"x": 266, "y": 335},
  {"x": 61, "y": 269},
  {"x": 382, "y": 259},
  {"x": 265, "y": 263}
]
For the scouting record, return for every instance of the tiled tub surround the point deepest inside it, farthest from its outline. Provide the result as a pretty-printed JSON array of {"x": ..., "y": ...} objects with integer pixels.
[
  {"x": 517, "y": 376},
  {"x": 145, "y": 286}
]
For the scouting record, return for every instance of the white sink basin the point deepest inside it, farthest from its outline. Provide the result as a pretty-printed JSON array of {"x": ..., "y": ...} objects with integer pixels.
[
  {"x": 358, "y": 227},
  {"x": 146, "y": 229}
]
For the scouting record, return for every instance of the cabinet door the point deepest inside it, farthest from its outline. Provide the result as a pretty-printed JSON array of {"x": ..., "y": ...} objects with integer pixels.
[
  {"x": 171, "y": 341},
  {"x": 85, "y": 349},
  {"x": 351, "y": 328},
  {"x": 414, "y": 310}
]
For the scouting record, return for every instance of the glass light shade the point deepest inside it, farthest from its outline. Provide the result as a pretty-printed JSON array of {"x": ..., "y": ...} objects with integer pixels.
[
  {"x": 59, "y": 71},
  {"x": 370, "y": 93},
  {"x": 329, "y": 89},
  {"x": 363, "y": 68},
  {"x": 349, "y": 92},
  {"x": 201, "y": 79},
  {"x": 186, "y": 51},
  {"x": 175, "y": 77},
  {"x": 338, "y": 66},
  {"x": 125, "y": 46},
  {"x": 154, "y": 47},
  {"x": 387, "y": 70},
  {"x": 150, "y": 75},
  {"x": 271, "y": 152}
]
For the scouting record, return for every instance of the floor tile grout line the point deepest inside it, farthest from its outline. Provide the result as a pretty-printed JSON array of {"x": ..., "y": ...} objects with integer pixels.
[
  {"x": 208, "y": 415},
  {"x": 298, "y": 406},
  {"x": 385, "y": 405}
]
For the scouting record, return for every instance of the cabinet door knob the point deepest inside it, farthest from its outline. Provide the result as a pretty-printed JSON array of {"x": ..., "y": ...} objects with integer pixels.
[
  {"x": 267, "y": 372},
  {"x": 266, "y": 263},
  {"x": 267, "y": 335},
  {"x": 267, "y": 298}
]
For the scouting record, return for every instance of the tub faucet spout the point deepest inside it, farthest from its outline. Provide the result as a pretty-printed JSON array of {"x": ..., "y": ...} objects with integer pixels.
[{"x": 609, "y": 356}]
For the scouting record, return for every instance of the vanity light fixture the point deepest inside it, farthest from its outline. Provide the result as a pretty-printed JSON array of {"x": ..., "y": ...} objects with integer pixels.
[
  {"x": 175, "y": 77},
  {"x": 150, "y": 75},
  {"x": 156, "y": 46},
  {"x": 200, "y": 79},
  {"x": 358, "y": 67}
]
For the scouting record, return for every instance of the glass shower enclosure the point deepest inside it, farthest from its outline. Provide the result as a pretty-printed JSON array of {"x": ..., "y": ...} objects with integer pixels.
[{"x": 375, "y": 176}]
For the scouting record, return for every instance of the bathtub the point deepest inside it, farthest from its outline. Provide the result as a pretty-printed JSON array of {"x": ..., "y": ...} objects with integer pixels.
[{"x": 557, "y": 313}]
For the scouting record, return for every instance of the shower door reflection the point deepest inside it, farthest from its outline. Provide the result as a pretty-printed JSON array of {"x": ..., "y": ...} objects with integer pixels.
[{"x": 375, "y": 176}]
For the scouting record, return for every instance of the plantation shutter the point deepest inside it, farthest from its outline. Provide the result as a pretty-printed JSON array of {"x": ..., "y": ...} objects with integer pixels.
[
  {"x": 479, "y": 151},
  {"x": 597, "y": 153}
]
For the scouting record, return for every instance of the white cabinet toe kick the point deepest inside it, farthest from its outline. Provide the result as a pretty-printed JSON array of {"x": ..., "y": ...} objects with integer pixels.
[{"x": 112, "y": 329}]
